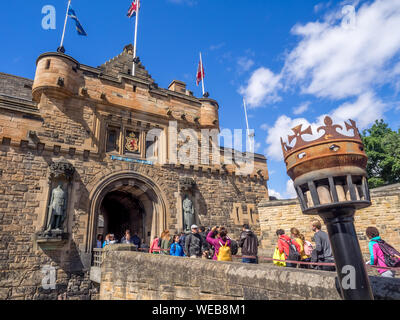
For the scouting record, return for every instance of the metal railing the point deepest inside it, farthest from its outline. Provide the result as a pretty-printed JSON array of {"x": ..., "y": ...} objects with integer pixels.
[{"x": 97, "y": 257}]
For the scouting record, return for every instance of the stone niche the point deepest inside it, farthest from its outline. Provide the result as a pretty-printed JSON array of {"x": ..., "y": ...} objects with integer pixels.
[
  {"x": 54, "y": 232},
  {"x": 187, "y": 204}
]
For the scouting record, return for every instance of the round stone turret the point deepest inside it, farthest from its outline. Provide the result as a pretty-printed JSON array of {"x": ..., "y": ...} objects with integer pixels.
[
  {"x": 56, "y": 74},
  {"x": 209, "y": 113}
]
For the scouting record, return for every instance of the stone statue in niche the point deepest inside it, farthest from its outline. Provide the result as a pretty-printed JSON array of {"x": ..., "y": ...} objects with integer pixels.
[
  {"x": 57, "y": 208},
  {"x": 188, "y": 214}
]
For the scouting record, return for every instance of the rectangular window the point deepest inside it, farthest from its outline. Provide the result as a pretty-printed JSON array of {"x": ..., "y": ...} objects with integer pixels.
[{"x": 112, "y": 140}]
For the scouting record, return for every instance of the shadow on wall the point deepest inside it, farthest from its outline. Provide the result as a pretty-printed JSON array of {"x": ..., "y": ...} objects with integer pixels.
[{"x": 140, "y": 276}]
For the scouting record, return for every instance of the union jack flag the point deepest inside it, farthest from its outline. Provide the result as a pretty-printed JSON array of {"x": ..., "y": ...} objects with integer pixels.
[{"x": 133, "y": 9}]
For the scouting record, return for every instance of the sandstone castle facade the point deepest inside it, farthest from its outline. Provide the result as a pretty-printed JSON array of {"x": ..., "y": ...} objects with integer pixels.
[{"x": 91, "y": 133}]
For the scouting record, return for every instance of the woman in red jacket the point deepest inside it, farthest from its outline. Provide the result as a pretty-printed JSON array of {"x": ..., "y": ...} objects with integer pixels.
[
  {"x": 283, "y": 245},
  {"x": 154, "y": 248}
]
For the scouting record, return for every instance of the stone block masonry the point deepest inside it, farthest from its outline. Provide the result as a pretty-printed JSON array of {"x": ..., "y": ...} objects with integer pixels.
[
  {"x": 23, "y": 200},
  {"x": 15, "y": 86},
  {"x": 140, "y": 276},
  {"x": 72, "y": 126}
]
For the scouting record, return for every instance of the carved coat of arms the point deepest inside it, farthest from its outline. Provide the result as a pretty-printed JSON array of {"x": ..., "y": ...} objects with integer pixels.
[{"x": 132, "y": 143}]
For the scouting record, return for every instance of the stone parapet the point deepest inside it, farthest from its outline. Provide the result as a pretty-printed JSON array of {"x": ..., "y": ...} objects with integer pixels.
[{"x": 140, "y": 276}]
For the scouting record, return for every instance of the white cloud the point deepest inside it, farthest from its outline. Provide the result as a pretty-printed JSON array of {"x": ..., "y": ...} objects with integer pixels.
[
  {"x": 290, "y": 192},
  {"x": 396, "y": 70},
  {"x": 302, "y": 108},
  {"x": 261, "y": 88},
  {"x": 365, "y": 110},
  {"x": 335, "y": 62},
  {"x": 217, "y": 46},
  {"x": 321, "y": 6},
  {"x": 264, "y": 127},
  {"x": 245, "y": 64},
  {"x": 273, "y": 193},
  {"x": 282, "y": 128}
]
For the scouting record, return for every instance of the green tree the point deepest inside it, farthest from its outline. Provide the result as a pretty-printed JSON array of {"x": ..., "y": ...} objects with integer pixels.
[{"x": 382, "y": 146}]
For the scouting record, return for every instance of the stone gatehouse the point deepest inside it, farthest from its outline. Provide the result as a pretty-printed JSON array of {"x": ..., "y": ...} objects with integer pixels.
[{"x": 87, "y": 151}]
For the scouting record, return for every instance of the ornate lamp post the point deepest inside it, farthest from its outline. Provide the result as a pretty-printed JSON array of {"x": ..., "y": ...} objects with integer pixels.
[{"x": 330, "y": 179}]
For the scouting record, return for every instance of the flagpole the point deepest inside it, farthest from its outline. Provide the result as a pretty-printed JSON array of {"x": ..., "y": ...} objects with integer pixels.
[
  {"x": 136, "y": 32},
  {"x": 247, "y": 125},
  {"x": 65, "y": 25},
  {"x": 202, "y": 73}
]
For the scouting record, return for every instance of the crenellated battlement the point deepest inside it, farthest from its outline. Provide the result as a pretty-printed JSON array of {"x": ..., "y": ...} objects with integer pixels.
[{"x": 61, "y": 76}]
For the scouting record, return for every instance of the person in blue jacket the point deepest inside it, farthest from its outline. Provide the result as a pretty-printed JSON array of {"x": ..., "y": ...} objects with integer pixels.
[{"x": 176, "y": 249}]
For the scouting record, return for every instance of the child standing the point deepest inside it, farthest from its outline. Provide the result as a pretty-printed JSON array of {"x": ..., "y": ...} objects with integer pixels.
[{"x": 176, "y": 249}]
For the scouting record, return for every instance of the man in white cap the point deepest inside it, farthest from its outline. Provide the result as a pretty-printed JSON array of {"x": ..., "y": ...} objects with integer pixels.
[{"x": 193, "y": 243}]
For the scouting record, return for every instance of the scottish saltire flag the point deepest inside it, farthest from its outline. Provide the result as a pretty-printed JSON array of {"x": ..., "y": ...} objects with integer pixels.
[
  {"x": 133, "y": 9},
  {"x": 79, "y": 28}
]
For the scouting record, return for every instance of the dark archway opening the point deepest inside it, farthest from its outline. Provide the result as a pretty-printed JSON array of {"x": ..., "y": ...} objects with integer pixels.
[{"x": 122, "y": 211}]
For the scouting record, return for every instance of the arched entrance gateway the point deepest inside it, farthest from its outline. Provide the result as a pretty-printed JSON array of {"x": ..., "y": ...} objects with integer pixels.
[{"x": 126, "y": 200}]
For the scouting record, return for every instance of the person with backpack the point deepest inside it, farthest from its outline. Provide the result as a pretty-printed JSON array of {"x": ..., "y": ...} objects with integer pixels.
[
  {"x": 176, "y": 249},
  {"x": 249, "y": 243},
  {"x": 300, "y": 239},
  {"x": 234, "y": 247},
  {"x": 382, "y": 254},
  {"x": 308, "y": 249},
  {"x": 221, "y": 244},
  {"x": 323, "y": 251},
  {"x": 193, "y": 243},
  {"x": 290, "y": 248}
]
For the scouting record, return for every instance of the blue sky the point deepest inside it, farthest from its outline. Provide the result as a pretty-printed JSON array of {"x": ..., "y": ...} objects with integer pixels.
[{"x": 294, "y": 61}]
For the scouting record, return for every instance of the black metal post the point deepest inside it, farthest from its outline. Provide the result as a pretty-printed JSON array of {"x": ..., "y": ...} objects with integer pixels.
[{"x": 353, "y": 277}]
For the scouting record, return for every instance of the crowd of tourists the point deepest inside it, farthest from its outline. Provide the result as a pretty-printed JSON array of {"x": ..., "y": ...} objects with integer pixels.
[
  {"x": 292, "y": 251},
  {"x": 213, "y": 243},
  {"x": 296, "y": 248},
  {"x": 200, "y": 243},
  {"x": 295, "y": 251},
  {"x": 126, "y": 239}
]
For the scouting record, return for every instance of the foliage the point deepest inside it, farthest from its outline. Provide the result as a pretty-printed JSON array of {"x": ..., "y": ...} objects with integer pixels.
[{"x": 382, "y": 146}]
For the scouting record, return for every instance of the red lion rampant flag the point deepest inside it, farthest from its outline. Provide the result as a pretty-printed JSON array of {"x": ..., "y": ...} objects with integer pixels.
[
  {"x": 133, "y": 8},
  {"x": 200, "y": 73}
]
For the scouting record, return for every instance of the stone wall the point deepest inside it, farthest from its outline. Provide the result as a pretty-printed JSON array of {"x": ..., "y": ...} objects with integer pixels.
[
  {"x": 26, "y": 285},
  {"x": 383, "y": 214},
  {"x": 24, "y": 193},
  {"x": 64, "y": 116},
  {"x": 15, "y": 86},
  {"x": 130, "y": 275}
]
